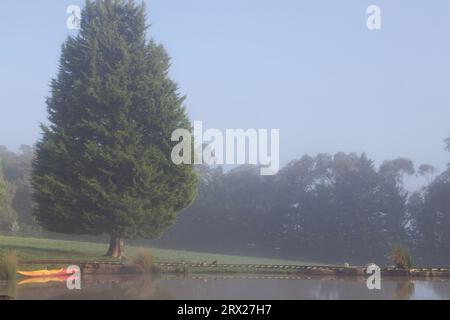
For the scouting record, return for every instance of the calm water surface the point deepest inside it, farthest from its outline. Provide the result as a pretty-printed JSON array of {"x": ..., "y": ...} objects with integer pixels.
[{"x": 234, "y": 287}]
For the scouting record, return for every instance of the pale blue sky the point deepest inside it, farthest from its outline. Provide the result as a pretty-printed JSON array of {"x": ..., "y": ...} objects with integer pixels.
[{"x": 309, "y": 68}]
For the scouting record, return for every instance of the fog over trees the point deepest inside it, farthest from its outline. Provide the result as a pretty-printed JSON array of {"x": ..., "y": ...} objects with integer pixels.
[
  {"x": 332, "y": 208},
  {"x": 103, "y": 167}
]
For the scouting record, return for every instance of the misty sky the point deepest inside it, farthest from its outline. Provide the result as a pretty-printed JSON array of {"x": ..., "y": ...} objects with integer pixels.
[{"x": 309, "y": 68}]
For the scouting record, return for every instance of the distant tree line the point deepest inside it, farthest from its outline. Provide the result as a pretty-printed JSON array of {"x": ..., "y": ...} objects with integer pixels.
[
  {"x": 334, "y": 208},
  {"x": 15, "y": 190}
]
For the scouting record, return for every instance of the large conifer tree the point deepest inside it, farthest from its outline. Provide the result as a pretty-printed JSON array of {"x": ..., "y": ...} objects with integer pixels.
[{"x": 103, "y": 165}]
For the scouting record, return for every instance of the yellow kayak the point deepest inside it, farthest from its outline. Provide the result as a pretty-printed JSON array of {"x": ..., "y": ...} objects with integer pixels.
[
  {"x": 42, "y": 280},
  {"x": 44, "y": 273}
]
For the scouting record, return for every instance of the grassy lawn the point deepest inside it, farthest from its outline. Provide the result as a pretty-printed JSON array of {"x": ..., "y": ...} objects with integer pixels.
[{"x": 43, "y": 249}]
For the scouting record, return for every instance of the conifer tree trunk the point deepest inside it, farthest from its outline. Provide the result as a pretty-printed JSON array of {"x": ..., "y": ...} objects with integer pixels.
[{"x": 116, "y": 245}]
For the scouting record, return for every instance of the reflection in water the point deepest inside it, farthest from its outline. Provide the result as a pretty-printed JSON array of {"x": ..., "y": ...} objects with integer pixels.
[
  {"x": 216, "y": 287},
  {"x": 8, "y": 289},
  {"x": 405, "y": 290}
]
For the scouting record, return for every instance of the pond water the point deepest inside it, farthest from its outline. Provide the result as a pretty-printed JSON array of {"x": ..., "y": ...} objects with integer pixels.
[{"x": 226, "y": 287}]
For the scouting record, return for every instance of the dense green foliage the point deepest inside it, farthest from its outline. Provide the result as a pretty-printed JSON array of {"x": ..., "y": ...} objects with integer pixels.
[
  {"x": 16, "y": 169},
  {"x": 319, "y": 208},
  {"x": 8, "y": 266},
  {"x": 103, "y": 165},
  {"x": 401, "y": 258},
  {"x": 2, "y": 187},
  {"x": 336, "y": 207},
  {"x": 430, "y": 210},
  {"x": 8, "y": 217},
  {"x": 143, "y": 260},
  {"x": 333, "y": 208},
  {"x": 2, "y": 196}
]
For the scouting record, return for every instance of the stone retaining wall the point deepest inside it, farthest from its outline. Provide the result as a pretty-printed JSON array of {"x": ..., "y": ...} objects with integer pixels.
[{"x": 121, "y": 268}]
